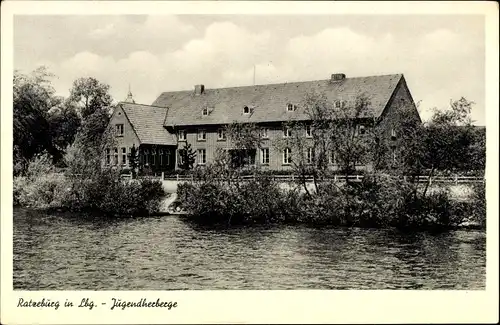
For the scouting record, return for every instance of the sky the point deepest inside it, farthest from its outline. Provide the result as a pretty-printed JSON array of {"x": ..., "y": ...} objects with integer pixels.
[{"x": 442, "y": 57}]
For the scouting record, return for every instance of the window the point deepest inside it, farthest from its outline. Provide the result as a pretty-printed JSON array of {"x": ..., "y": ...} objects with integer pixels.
[
  {"x": 333, "y": 157},
  {"x": 108, "y": 156},
  {"x": 153, "y": 158},
  {"x": 310, "y": 155},
  {"x": 290, "y": 107},
  {"x": 202, "y": 135},
  {"x": 124, "y": 156},
  {"x": 205, "y": 111},
  {"x": 338, "y": 104},
  {"x": 362, "y": 129},
  {"x": 263, "y": 133},
  {"x": 202, "y": 156},
  {"x": 287, "y": 156},
  {"x": 116, "y": 156},
  {"x": 119, "y": 129},
  {"x": 393, "y": 133},
  {"x": 182, "y": 135},
  {"x": 264, "y": 156},
  {"x": 146, "y": 157},
  {"x": 161, "y": 157},
  {"x": 167, "y": 156},
  {"x": 221, "y": 135},
  {"x": 308, "y": 131},
  {"x": 394, "y": 156},
  {"x": 287, "y": 132},
  {"x": 246, "y": 110},
  {"x": 180, "y": 155}
]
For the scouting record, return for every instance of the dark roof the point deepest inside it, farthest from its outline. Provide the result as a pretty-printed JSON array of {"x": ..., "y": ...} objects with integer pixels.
[
  {"x": 147, "y": 122},
  {"x": 269, "y": 101}
]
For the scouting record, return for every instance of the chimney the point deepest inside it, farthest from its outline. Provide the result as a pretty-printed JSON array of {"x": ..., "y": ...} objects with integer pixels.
[
  {"x": 337, "y": 77},
  {"x": 199, "y": 89}
]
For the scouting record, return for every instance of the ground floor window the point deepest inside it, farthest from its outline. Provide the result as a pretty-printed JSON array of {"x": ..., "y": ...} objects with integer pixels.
[
  {"x": 167, "y": 156},
  {"x": 202, "y": 156},
  {"x": 264, "y": 155},
  {"x": 116, "y": 156},
  {"x": 108, "y": 157},
  {"x": 146, "y": 157},
  {"x": 287, "y": 156},
  {"x": 333, "y": 158},
  {"x": 310, "y": 155},
  {"x": 124, "y": 156}
]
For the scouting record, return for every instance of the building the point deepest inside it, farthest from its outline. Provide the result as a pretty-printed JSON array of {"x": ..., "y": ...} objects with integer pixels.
[{"x": 198, "y": 117}]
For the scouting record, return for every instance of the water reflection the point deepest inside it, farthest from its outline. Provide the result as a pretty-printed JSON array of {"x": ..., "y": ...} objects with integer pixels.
[{"x": 64, "y": 252}]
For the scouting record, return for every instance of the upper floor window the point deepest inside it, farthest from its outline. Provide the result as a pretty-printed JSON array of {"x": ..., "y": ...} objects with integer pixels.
[
  {"x": 308, "y": 131},
  {"x": 263, "y": 133},
  {"x": 182, "y": 135},
  {"x": 202, "y": 135},
  {"x": 205, "y": 111},
  {"x": 246, "y": 110},
  {"x": 119, "y": 129},
  {"x": 291, "y": 107},
  {"x": 221, "y": 135},
  {"x": 287, "y": 132}
]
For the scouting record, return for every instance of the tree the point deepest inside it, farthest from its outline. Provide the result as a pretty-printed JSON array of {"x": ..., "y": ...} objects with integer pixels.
[
  {"x": 33, "y": 97},
  {"x": 445, "y": 144},
  {"x": 64, "y": 123},
  {"x": 90, "y": 95},
  {"x": 187, "y": 157},
  {"x": 333, "y": 135},
  {"x": 134, "y": 160},
  {"x": 244, "y": 139}
]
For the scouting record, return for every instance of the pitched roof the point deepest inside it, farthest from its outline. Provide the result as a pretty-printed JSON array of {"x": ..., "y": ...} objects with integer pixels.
[
  {"x": 147, "y": 122},
  {"x": 269, "y": 101}
]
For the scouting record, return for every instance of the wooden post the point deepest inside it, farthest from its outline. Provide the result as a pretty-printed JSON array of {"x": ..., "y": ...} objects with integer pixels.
[
  {"x": 456, "y": 179},
  {"x": 177, "y": 177}
]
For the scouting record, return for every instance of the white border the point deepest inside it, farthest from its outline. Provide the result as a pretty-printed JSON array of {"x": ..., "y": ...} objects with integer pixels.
[{"x": 295, "y": 306}]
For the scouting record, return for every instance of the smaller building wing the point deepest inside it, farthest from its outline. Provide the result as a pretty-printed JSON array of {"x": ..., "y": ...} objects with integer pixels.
[{"x": 147, "y": 122}]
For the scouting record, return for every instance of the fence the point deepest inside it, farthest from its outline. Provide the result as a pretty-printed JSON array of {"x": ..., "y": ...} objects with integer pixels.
[{"x": 342, "y": 178}]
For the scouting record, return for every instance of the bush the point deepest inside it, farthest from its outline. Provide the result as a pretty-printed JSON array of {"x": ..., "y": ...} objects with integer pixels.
[{"x": 105, "y": 193}]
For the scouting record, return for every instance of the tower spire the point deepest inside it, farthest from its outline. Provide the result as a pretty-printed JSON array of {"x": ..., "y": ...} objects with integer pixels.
[{"x": 129, "y": 99}]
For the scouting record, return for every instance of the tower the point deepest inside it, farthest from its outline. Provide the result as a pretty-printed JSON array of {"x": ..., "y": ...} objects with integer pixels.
[{"x": 129, "y": 99}]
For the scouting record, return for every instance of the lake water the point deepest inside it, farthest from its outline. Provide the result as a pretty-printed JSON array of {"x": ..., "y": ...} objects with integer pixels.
[{"x": 63, "y": 252}]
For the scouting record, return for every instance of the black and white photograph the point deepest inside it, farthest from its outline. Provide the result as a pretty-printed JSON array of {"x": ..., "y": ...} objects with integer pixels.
[{"x": 185, "y": 151}]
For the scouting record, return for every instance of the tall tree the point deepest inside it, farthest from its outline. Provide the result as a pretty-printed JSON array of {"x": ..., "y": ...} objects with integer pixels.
[
  {"x": 90, "y": 95},
  {"x": 33, "y": 97},
  {"x": 64, "y": 123}
]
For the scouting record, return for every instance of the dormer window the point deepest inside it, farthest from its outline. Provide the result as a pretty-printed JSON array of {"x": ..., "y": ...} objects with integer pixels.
[
  {"x": 246, "y": 110},
  {"x": 205, "y": 111},
  {"x": 338, "y": 104},
  {"x": 290, "y": 107}
]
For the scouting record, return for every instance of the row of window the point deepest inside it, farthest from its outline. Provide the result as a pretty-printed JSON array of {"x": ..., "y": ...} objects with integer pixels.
[
  {"x": 221, "y": 134},
  {"x": 290, "y": 107},
  {"x": 149, "y": 157},
  {"x": 264, "y": 156}
]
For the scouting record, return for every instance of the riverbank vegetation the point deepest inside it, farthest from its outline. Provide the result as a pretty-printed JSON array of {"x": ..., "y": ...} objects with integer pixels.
[
  {"x": 58, "y": 151},
  {"x": 389, "y": 195}
]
